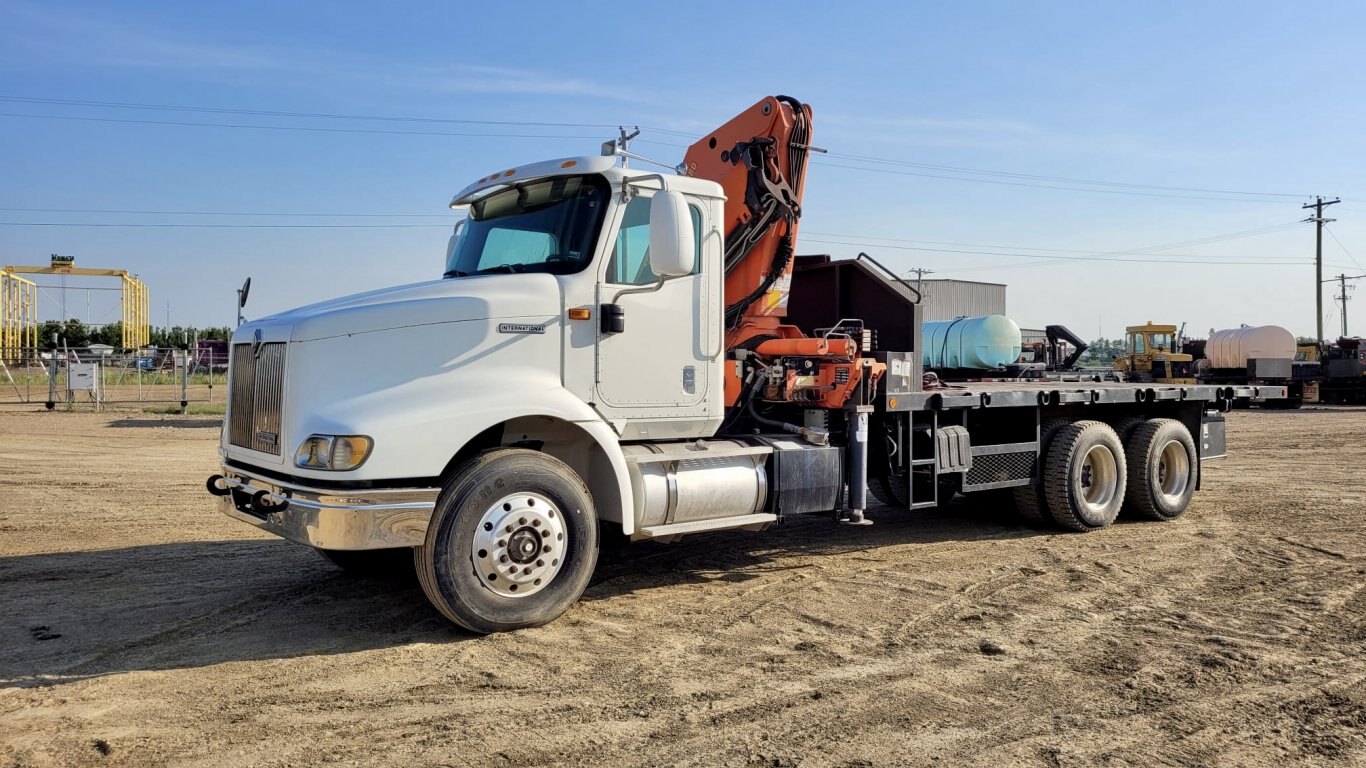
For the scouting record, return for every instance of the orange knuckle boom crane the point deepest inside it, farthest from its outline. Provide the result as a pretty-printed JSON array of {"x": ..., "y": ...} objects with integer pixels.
[{"x": 759, "y": 158}]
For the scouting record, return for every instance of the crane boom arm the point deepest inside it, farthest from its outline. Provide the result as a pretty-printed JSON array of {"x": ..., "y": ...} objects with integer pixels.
[{"x": 759, "y": 159}]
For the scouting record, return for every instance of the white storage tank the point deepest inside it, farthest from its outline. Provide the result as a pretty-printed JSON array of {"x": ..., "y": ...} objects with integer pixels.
[
  {"x": 1234, "y": 347},
  {"x": 982, "y": 343}
]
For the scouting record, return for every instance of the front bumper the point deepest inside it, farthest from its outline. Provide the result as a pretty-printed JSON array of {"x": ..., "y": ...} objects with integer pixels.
[{"x": 379, "y": 518}]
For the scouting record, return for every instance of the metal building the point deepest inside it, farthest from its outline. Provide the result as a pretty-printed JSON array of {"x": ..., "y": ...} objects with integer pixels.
[{"x": 947, "y": 299}]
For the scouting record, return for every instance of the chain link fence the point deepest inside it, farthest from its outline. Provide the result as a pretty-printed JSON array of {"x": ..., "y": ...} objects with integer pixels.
[{"x": 175, "y": 378}]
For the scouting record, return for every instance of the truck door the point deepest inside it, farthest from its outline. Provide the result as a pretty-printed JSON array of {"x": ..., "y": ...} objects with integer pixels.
[{"x": 662, "y": 365}]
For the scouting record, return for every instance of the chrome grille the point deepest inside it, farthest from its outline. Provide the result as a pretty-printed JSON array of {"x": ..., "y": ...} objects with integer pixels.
[{"x": 255, "y": 396}]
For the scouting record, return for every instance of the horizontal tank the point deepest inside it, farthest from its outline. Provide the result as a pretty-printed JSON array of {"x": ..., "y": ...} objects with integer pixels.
[
  {"x": 982, "y": 343},
  {"x": 1234, "y": 347}
]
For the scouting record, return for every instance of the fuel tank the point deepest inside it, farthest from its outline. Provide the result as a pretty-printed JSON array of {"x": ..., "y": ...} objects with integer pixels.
[{"x": 985, "y": 342}]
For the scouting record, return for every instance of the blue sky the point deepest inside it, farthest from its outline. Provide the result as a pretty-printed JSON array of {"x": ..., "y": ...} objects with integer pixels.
[{"x": 1244, "y": 97}]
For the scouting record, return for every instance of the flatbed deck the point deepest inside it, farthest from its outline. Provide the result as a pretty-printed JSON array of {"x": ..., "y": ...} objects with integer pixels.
[{"x": 1014, "y": 394}]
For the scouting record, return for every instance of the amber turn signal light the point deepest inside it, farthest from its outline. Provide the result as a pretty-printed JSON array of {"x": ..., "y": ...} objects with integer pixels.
[{"x": 580, "y": 313}]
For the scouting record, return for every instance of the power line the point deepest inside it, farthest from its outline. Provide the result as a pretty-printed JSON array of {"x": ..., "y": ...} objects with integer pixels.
[
  {"x": 1040, "y": 186},
  {"x": 1042, "y": 256},
  {"x": 229, "y": 213},
  {"x": 311, "y": 115},
  {"x": 1329, "y": 230},
  {"x": 1062, "y": 179},
  {"x": 314, "y": 129},
  {"x": 1201, "y": 241},
  {"x": 186, "y": 225},
  {"x": 1086, "y": 185}
]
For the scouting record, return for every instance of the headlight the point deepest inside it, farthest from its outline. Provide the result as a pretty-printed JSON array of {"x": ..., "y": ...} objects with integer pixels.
[{"x": 333, "y": 452}]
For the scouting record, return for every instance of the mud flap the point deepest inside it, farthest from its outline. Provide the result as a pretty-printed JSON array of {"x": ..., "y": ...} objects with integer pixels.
[{"x": 1212, "y": 436}]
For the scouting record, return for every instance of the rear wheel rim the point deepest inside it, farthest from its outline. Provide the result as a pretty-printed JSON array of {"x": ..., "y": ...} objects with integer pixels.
[
  {"x": 519, "y": 545},
  {"x": 1099, "y": 481},
  {"x": 1173, "y": 471}
]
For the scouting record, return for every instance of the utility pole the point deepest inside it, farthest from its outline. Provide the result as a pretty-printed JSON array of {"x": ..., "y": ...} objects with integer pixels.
[
  {"x": 1342, "y": 296},
  {"x": 920, "y": 273},
  {"x": 1341, "y": 280},
  {"x": 1318, "y": 219}
]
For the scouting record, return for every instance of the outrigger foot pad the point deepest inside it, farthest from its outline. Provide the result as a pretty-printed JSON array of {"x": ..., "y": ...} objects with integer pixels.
[{"x": 854, "y": 517}]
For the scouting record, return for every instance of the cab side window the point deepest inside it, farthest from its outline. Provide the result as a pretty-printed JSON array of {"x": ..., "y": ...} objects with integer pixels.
[{"x": 630, "y": 260}]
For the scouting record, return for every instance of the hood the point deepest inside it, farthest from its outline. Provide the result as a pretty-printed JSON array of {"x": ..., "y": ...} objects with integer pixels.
[{"x": 482, "y": 297}]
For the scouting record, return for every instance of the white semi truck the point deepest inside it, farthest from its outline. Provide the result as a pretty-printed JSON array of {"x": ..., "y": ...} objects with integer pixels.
[{"x": 615, "y": 349}]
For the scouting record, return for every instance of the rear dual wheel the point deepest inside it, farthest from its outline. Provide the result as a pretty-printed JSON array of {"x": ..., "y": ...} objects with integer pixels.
[
  {"x": 1029, "y": 499},
  {"x": 1092, "y": 471},
  {"x": 1085, "y": 475},
  {"x": 1163, "y": 469}
]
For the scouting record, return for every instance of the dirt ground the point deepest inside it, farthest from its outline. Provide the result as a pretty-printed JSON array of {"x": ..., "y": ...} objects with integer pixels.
[{"x": 138, "y": 626}]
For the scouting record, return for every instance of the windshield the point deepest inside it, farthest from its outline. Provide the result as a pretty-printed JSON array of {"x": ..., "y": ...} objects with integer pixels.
[{"x": 540, "y": 226}]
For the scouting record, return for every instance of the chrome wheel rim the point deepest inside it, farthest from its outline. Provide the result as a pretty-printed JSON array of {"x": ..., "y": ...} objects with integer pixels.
[
  {"x": 1173, "y": 471},
  {"x": 519, "y": 545},
  {"x": 1099, "y": 480}
]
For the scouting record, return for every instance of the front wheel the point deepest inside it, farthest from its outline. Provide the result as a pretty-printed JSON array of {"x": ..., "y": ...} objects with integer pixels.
[{"x": 512, "y": 542}]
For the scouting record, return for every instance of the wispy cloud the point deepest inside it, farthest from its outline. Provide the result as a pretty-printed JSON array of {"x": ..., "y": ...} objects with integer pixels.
[{"x": 87, "y": 39}]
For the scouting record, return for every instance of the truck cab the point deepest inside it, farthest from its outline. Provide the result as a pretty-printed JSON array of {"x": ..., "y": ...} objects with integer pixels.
[{"x": 580, "y": 308}]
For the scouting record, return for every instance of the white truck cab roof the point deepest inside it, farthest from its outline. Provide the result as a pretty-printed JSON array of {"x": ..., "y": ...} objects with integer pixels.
[{"x": 605, "y": 165}]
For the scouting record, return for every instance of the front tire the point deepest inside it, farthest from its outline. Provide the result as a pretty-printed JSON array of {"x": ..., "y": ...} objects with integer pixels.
[{"x": 512, "y": 542}]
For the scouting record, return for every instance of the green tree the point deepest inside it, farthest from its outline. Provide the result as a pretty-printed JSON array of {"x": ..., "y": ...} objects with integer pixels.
[
  {"x": 49, "y": 333},
  {"x": 1103, "y": 350},
  {"x": 75, "y": 333},
  {"x": 111, "y": 334}
]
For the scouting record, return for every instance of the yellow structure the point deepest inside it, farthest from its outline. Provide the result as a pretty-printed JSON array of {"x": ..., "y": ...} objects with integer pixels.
[
  {"x": 1150, "y": 355},
  {"x": 136, "y": 318},
  {"x": 18, "y": 315}
]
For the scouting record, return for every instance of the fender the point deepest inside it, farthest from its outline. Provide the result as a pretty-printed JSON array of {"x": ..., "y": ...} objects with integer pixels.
[{"x": 419, "y": 438}]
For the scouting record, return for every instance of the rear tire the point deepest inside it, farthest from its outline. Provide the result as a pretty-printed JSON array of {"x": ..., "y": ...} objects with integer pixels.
[
  {"x": 1126, "y": 426},
  {"x": 1029, "y": 499},
  {"x": 394, "y": 564},
  {"x": 512, "y": 542},
  {"x": 1163, "y": 470},
  {"x": 892, "y": 490},
  {"x": 1085, "y": 476}
]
